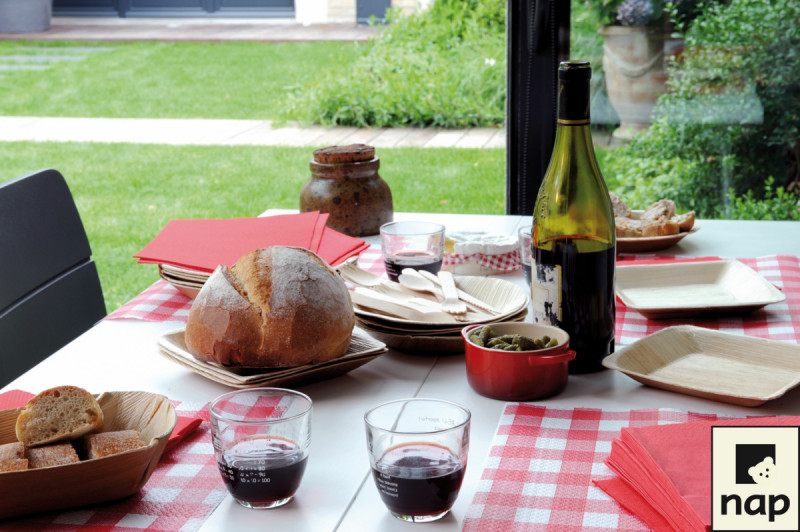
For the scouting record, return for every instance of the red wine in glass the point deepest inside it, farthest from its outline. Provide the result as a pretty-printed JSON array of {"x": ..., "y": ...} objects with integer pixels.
[
  {"x": 262, "y": 471},
  {"x": 418, "y": 481},
  {"x": 418, "y": 260}
]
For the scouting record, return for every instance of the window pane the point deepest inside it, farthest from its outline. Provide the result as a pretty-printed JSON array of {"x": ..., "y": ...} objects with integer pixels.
[{"x": 697, "y": 101}]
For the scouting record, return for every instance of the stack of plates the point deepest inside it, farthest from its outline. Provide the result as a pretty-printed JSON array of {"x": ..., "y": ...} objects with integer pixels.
[
  {"x": 444, "y": 336},
  {"x": 362, "y": 349},
  {"x": 187, "y": 281}
]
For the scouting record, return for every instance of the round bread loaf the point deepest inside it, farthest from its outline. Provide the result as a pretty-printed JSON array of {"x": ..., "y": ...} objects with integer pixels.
[{"x": 277, "y": 307}]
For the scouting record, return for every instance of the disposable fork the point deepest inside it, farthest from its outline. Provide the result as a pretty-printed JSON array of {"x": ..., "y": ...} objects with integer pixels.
[{"x": 451, "y": 304}]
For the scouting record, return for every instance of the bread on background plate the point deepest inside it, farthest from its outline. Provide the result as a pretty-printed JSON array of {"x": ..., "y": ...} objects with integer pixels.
[{"x": 58, "y": 414}]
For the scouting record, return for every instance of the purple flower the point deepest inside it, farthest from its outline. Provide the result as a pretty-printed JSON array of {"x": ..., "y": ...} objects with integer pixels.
[{"x": 635, "y": 12}]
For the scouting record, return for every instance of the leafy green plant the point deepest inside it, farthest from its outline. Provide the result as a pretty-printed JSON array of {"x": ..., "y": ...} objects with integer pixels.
[
  {"x": 444, "y": 67},
  {"x": 731, "y": 118},
  {"x": 776, "y": 204}
]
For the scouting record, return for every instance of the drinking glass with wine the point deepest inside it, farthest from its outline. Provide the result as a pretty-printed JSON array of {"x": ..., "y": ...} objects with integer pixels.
[
  {"x": 261, "y": 438},
  {"x": 417, "y": 245},
  {"x": 418, "y": 453}
]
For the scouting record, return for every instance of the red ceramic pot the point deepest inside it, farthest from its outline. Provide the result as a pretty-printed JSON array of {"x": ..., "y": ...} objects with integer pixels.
[{"x": 518, "y": 375}]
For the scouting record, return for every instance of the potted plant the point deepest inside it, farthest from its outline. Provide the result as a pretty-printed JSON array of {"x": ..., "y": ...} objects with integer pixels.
[{"x": 633, "y": 58}]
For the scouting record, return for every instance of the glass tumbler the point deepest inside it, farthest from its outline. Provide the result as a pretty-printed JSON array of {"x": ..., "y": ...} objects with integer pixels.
[
  {"x": 261, "y": 438},
  {"x": 417, "y": 245},
  {"x": 418, "y": 453}
]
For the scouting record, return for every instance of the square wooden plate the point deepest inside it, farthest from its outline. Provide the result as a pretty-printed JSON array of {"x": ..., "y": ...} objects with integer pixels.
[
  {"x": 732, "y": 368},
  {"x": 99, "y": 479},
  {"x": 693, "y": 288},
  {"x": 363, "y": 348}
]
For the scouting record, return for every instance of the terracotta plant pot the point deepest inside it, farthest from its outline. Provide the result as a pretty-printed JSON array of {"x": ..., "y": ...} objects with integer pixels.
[{"x": 633, "y": 62}]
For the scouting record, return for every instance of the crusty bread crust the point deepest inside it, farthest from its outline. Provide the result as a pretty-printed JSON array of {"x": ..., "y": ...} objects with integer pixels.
[
  {"x": 12, "y": 457},
  {"x": 58, "y": 414},
  {"x": 277, "y": 307},
  {"x": 104, "y": 444},
  {"x": 51, "y": 455}
]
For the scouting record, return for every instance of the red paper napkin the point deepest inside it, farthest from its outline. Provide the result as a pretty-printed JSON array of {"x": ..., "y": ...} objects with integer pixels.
[
  {"x": 183, "y": 427},
  {"x": 664, "y": 471},
  {"x": 202, "y": 245}
]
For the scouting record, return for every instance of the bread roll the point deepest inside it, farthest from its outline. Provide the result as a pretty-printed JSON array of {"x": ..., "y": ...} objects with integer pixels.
[
  {"x": 51, "y": 455},
  {"x": 12, "y": 457},
  {"x": 57, "y": 414},
  {"x": 277, "y": 307},
  {"x": 629, "y": 228},
  {"x": 621, "y": 210},
  {"x": 107, "y": 443}
]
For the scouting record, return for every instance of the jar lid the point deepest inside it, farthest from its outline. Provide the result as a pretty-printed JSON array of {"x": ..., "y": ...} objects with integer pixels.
[{"x": 352, "y": 153}]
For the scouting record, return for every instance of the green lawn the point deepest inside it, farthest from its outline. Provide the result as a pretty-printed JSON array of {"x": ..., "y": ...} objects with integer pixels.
[
  {"x": 127, "y": 192},
  {"x": 167, "y": 80}
]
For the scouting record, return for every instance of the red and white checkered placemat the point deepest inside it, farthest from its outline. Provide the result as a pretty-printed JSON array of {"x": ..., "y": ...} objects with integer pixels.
[
  {"x": 778, "y": 321},
  {"x": 184, "y": 489},
  {"x": 538, "y": 475}
]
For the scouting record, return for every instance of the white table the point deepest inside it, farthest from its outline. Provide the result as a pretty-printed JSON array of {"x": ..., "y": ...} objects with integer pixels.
[{"x": 337, "y": 492}]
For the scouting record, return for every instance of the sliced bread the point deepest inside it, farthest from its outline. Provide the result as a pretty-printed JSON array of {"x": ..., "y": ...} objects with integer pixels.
[{"x": 58, "y": 414}]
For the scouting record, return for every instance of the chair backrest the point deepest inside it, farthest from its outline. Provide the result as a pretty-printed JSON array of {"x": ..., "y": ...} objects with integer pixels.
[{"x": 50, "y": 292}]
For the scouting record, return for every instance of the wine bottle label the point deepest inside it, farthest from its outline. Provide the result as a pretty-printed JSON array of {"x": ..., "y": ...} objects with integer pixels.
[{"x": 546, "y": 294}]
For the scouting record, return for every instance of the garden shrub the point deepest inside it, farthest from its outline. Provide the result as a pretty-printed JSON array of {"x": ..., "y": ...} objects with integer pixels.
[
  {"x": 444, "y": 67},
  {"x": 730, "y": 121}
]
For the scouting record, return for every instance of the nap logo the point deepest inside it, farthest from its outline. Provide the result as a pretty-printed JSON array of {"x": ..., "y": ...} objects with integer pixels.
[{"x": 755, "y": 478}]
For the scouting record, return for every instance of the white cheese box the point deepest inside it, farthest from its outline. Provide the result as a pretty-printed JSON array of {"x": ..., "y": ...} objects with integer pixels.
[{"x": 480, "y": 253}]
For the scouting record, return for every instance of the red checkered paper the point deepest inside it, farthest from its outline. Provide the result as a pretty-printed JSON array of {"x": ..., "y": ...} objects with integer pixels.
[
  {"x": 505, "y": 262},
  {"x": 778, "y": 321},
  {"x": 538, "y": 475},
  {"x": 184, "y": 489},
  {"x": 160, "y": 302}
]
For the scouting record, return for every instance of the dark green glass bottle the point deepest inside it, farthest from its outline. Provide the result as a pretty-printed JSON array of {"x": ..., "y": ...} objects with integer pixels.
[{"x": 573, "y": 240}]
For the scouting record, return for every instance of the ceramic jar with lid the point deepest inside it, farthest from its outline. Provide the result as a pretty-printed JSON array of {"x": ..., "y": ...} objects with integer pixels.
[{"x": 345, "y": 183}]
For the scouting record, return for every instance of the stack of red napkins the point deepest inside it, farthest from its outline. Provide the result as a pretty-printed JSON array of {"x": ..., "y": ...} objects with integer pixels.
[
  {"x": 664, "y": 471},
  {"x": 202, "y": 245}
]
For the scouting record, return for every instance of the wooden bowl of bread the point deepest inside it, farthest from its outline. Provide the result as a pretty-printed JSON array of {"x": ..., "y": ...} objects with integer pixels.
[{"x": 69, "y": 448}]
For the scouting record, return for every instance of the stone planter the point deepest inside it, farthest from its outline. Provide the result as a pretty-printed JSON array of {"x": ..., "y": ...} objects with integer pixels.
[
  {"x": 21, "y": 16},
  {"x": 633, "y": 62}
]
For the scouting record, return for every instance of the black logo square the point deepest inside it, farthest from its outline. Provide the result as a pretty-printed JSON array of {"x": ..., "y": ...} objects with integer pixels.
[{"x": 749, "y": 455}]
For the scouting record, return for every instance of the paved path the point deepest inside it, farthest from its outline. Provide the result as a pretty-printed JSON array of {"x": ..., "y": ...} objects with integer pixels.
[
  {"x": 201, "y": 29},
  {"x": 206, "y": 132},
  {"x": 236, "y": 132}
]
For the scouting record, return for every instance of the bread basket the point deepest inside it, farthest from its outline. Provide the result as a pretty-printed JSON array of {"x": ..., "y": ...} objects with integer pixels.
[{"x": 91, "y": 481}]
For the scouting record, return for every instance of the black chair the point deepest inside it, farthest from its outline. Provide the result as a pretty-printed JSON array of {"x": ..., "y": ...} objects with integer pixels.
[{"x": 50, "y": 292}]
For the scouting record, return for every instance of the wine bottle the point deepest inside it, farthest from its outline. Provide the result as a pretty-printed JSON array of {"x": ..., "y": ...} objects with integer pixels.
[{"x": 574, "y": 242}]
